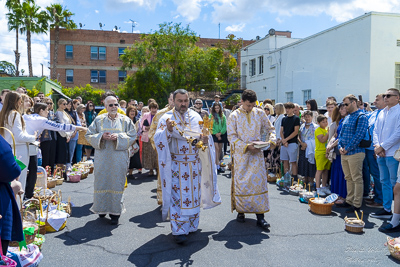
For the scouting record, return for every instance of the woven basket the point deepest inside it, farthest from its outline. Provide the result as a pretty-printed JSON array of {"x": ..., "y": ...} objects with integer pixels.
[
  {"x": 91, "y": 169},
  {"x": 28, "y": 238},
  {"x": 271, "y": 178},
  {"x": 49, "y": 228},
  {"x": 51, "y": 183},
  {"x": 393, "y": 251},
  {"x": 68, "y": 207},
  {"x": 354, "y": 228},
  {"x": 321, "y": 209},
  {"x": 82, "y": 140}
]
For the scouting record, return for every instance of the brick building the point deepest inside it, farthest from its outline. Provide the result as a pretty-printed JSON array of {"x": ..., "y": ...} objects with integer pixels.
[{"x": 92, "y": 56}]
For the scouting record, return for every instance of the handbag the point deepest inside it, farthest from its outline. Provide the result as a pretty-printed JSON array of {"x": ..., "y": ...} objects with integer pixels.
[
  {"x": 364, "y": 143},
  {"x": 6, "y": 260},
  {"x": 397, "y": 154},
  {"x": 133, "y": 149}
]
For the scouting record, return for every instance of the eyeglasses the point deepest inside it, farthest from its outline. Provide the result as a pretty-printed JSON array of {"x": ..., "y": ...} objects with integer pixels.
[
  {"x": 346, "y": 104},
  {"x": 49, "y": 103},
  {"x": 134, "y": 105},
  {"x": 199, "y": 103},
  {"x": 111, "y": 105},
  {"x": 64, "y": 104},
  {"x": 387, "y": 96},
  {"x": 266, "y": 109},
  {"x": 91, "y": 106}
]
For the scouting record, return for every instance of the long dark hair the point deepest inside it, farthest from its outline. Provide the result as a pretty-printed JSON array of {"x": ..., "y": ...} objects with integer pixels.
[
  {"x": 129, "y": 109},
  {"x": 87, "y": 106},
  {"x": 10, "y": 104},
  {"x": 313, "y": 104},
  {"x": 216, "y": 115}
]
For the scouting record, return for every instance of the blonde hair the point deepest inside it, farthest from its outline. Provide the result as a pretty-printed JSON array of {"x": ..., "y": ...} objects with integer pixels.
[
  {"x": 271, "y": 109},
  {"x": 280, "y": 109}
]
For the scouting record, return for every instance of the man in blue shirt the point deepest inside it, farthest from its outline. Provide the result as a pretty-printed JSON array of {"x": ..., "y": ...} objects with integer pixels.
[
  {"x": 370, "y": 167},
  {"x": 353, "y": 131}
]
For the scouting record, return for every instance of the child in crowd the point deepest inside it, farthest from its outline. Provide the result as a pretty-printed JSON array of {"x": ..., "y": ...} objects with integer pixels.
[
  {"x": 289, "y": 132},
  {"x": 323, "y": 164}
]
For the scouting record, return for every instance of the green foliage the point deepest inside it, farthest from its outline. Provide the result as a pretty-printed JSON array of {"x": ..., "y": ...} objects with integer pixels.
[
  {"x": 169, "y": 59},
  {"x": 7, "y": 67},
  {"x": 60, "y": 17},
  {"x": 32, "y": 92},
  {"x": 87, "y": 93}
]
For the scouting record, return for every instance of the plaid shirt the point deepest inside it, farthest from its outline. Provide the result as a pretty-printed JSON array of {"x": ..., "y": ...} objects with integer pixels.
[{"x": 350, "y": 137}]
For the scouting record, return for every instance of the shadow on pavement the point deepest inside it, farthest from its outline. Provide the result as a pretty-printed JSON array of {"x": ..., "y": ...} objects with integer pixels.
[
  {"x": 164, "y": 249},
  {"x": 79, "y": 212},
  {"x": 141, "y": 178},
  {"x": 236, "y": 233},
  {"x": 149, "y": 219},
  {"x": 92, "y": 230},
  {"x": 342, "y": 214}
]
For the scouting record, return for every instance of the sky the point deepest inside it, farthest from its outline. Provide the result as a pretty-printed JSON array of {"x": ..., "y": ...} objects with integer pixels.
[{"x": 208, "y": 18}]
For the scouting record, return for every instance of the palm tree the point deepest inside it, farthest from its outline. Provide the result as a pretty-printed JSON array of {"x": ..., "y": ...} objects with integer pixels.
[
  {"x": 34, "y": 21},
  {"x": 14, "y": 22},
  {"x": 59, "y": 17}
]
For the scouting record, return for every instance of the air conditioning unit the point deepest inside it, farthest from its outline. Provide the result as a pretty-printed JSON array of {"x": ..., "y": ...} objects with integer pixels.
[{"x": 94, "y": 80}]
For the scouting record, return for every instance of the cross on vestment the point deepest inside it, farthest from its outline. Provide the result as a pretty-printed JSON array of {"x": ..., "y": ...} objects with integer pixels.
[
  {"x": 194, "y": 174},
  {"x": 185, "y": 176},
  {"x": 163, "y": 164},
  {"x": 186, "y": 189},
  {"x": 187, "y": 202},
  {"x": 184, "y": 149},
  {"x": 175, "y": 215},
  {"x": 175, "y": 188},
  {"x": 161, "y": 146}
]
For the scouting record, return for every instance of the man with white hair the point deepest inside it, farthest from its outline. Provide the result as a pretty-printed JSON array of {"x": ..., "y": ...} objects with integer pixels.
[{"x": 111, "y": 134}]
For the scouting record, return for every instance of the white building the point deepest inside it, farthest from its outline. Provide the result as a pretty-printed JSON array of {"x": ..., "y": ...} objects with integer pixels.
[{"x": 361, "y": 57}]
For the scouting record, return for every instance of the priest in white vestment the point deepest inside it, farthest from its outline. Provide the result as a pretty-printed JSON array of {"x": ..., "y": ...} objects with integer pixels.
[
  {"x": 111, "y": 134},
  {"x": 188, "y": 173}
]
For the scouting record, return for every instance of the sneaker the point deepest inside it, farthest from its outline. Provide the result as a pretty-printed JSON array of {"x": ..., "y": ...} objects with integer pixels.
[
  {"x": 326, "y": 191},
  {"x": 374, "y": 205},
  {"x": 382, "y": 214},
  {"x": 388, "y": 228},
  {"x": 321, "y": 193}
]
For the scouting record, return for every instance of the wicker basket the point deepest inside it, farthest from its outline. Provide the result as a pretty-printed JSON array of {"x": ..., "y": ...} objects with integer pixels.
[
  {"x": 354, "y": 227},
  {"x": 393, "y": 251},
  {"x": 82, "y": 140},
  {"x": 28, "y": 238},
  {"x": 49, "y": 228},
  {"x": 91, "y": 169},
  {"x": 321, "y": 209},
  {"x": 51, "y": 183},
  {"x": 67, "y": 208},
  {"x": 271, "y": 178}
]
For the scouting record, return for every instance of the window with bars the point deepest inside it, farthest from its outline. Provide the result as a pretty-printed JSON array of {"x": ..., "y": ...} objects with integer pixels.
[
  {"x": 98, "y": 76},
  {"x": 289, "y": 96},
  {"x": 397, "y": 76},
  {"x": 306, "y": 95},
  {"x": 69, "y": 74},
  {"x": 98, "y": 52},
  {"x": 261, "y": 65},
  {"x": 69, "y": 51},
  {"x": 252, "y": 67}
]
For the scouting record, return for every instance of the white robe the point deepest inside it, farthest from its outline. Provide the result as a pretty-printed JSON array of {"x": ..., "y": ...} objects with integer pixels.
[{"x": 186, "y": 186}]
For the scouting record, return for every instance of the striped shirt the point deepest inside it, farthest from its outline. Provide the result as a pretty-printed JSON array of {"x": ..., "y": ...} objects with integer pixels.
[{"x": 351, "y": 134}]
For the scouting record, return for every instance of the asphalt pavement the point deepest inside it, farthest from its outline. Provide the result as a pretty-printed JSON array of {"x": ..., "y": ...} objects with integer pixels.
[{"x": 296, "y": 237}]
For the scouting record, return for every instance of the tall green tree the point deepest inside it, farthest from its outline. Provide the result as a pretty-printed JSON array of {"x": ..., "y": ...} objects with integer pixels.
[
  {"x": 34, "y": 22},
  {"x": 60, "y": 17},
  {"x": 14, "y": 18},
  {"x": 7, "y": 67},
  {"x": 168, "y": 59}
]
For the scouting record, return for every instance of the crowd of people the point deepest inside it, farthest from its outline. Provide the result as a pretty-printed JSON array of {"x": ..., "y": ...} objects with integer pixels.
[{"x": 351, "y": 150}]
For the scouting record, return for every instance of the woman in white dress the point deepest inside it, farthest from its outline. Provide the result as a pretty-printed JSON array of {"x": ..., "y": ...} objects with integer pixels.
[{"x": 11, "y": 118}]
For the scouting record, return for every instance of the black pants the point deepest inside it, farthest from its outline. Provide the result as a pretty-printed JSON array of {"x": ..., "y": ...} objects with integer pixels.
[
  {"x": 48, "y": 153},
  {"x": 32, "y": 177},
  {"x": 4, "y": 245}
]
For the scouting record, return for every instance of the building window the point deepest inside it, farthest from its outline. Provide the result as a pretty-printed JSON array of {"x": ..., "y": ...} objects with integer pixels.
[
  {"x": 397, "y": 76},
  {"x": 98, "y": 76},
  {"x": 121, "y": 51},
  {"x": 69, "y": 51},
  {"x": 306, "y": 96},
  {"x": 289, "y": 96},
  {"x": 252, "y": 67},
  {"x": 98, "y": 52},
  {"x": 69, "y": 74},
  {"x": 121, "y": 76},
  {"x": 261, "y": 65}
]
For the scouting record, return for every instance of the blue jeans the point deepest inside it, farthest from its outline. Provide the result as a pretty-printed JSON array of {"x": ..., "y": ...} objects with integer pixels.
[
  {"x": 371, "y": 168},
  {"x": 388, "y": 174},
  {"x": 71, "y": 150},
  {"x": 78, "y": 153}
]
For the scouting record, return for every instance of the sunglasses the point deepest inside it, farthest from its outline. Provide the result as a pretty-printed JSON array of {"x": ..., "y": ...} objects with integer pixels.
[
  {"x": 134, "y": 105},
  {"x": 91, "y": 106},
  {"x": 49, "y": 103},
  {"x": 387, "y": 96},
  {"x": 111, "y": 105},
  {"x": 64, "y": 104},
  {"x": 266, "y": 109},
  {"x": 198, "y": 103}
]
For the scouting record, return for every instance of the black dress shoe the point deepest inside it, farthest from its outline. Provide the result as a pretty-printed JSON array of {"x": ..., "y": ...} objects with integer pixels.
[
  {"x": 263, "y": 224},
  {"x": 343, "y": 205},
  {"x": 180, "y": 239},
  {"x": 240, "y": 217},
  {"x": 114, "y": 219},
  {"x": 102, "y": 215},
  {"x": 352, "y": 209},
  {"x": 388, "y": 228}
]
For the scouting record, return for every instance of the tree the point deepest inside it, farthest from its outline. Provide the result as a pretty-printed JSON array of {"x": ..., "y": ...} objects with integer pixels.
[
  {"x": 34, "y": 22},
  {"x": 59, "y": 18},
  {"x": 14, "y": 22},
  {"x": 7, "y": 67},
  {"x": 169, "y": 59}
]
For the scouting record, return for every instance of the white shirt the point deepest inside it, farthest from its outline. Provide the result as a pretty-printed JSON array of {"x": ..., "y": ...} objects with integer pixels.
[
  {"x": 387, "y": 130},
  {"x": 278, "y": 123},
  {"x": 21, "y": 137},
  {"x": 35, "y": 122},
  {"x": 329, "y": 118}
]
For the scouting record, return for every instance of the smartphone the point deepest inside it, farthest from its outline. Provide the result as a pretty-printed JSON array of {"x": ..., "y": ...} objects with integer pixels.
[{"x": 360, "y": 98}]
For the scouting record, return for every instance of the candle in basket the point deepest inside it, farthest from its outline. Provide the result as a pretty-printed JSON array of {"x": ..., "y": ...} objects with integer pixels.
[{"x": 40, "y": 207}]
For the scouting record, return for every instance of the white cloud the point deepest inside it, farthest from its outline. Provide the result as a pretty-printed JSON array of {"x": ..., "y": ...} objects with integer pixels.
[
  {"x": 235, "y": 28},
  {"x": 189, "y": 9},
  {"x": 123, "y": 4},
  {"x": 279, "y": 20},
  {"x": 96, "y": 11},
  {"x": 177, "y": 16}
]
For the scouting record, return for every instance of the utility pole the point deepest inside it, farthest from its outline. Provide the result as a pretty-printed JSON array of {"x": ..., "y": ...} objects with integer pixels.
[
  {"x": 133, "y": 24},
  {"x": 42, "y": 68}
]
